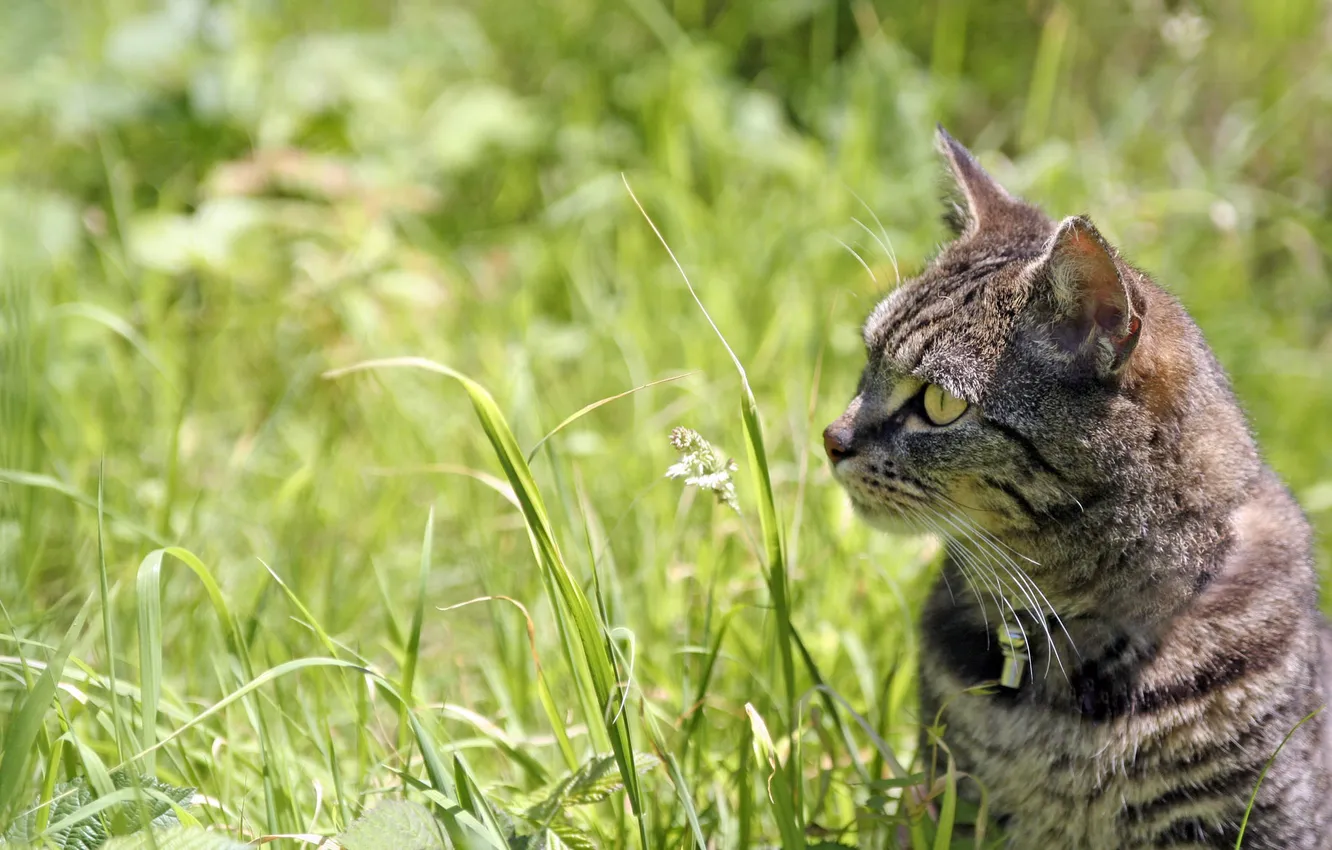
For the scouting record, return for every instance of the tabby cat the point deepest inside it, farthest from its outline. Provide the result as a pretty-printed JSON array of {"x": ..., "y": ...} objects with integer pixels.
[{"x": 1057, "y": 419}]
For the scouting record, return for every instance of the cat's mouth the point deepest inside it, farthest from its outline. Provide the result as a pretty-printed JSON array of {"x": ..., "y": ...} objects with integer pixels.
[{"x": 884, "y": 503}]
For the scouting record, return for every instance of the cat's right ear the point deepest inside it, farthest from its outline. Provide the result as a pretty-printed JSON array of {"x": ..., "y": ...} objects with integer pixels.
[
  {"x": 977, "y": 198},
  {"x": 1093, "y": 303}
]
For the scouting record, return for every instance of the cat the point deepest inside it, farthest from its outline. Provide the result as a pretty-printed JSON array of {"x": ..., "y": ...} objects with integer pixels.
[{"x": 1058, "y": 420}]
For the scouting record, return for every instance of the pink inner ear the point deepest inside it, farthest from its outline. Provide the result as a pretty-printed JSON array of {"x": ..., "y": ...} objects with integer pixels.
[
  {"x": 1108, "y": 316},
  {"x": 1103, "y": 292},
  {"x": 1080, "y": 242}
]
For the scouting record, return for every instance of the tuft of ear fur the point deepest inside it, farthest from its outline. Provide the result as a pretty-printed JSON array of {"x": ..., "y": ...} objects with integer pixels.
[
  {"x": 978, "y": 199},
  {"x": 1093, "y": 302}
]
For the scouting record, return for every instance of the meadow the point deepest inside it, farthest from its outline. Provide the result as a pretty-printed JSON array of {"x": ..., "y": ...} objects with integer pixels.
[{"x": 339, "y": 371}]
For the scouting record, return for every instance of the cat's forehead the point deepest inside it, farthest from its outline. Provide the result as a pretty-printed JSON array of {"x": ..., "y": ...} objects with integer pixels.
[{"x": 951, "y": 324}]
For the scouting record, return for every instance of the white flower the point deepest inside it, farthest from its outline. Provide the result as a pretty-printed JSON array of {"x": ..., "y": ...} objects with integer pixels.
[{"x": 702, "y": 466}]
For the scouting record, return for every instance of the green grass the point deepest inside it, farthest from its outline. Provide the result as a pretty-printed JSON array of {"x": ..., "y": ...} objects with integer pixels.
[{"x": 212, "y": 565}]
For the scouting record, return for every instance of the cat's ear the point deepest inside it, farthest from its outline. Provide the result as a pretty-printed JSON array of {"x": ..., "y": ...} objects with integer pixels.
[
  {"x": 1093, "y": 304},
  {"x": 977, "y": 200}
]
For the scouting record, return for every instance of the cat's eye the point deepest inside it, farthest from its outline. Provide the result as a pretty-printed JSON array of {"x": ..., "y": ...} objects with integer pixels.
[{"x": 941, "y": 406}]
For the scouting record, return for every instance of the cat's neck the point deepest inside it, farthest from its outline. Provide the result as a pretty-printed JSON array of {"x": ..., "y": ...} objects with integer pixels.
[{"x": 1137, "y": 552}]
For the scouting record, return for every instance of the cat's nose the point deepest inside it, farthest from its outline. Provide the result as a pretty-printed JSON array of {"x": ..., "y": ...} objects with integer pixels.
[{"x": 837, "y": 442}]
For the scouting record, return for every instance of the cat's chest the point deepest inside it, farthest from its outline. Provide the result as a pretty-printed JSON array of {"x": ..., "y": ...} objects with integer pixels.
[
  {"x": 1055, "y": 753},
  {"x": 1063, "y": 782}
]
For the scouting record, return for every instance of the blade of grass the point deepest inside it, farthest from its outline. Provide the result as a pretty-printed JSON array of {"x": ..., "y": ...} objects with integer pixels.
[
  {"x": 413, "y": 649},
  {"x": 101, "y": 804},
  {"x": 829, "y": 703},
  {"x": 943, "y": 836},
  {"x": 435, "y": 769},
  {"x": 49, "y": 781},
  {"x": 309, "y": 618},
  {"x": 593, "y": 640},
  {"x": 583, "y": 411},
  {"x": 46, "y": 482},
  {"x": 745, "y": 791},
  {"x": 778, "y": 586},
  {"x": 149, "y": 598},
  {"x": 108, "y": 624},
  {"x": 543, "y": 687},
  {"x": 682, "y": 791},
  {"x": 1248, "y": 810},
  {"x": 27, "y": 723},
  {"x": 704, "y": 682},
  {"x": 277, "y": 806},
  {"x": 778, "y": 791},
  {"x": 471, "y": 798},
  {"x": 1045, "y": 76}
]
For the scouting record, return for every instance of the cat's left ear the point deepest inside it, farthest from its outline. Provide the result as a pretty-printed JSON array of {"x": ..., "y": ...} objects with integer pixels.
[
  {"x": 1093, "y": 301},
  {"x": 977, "y": 202}
]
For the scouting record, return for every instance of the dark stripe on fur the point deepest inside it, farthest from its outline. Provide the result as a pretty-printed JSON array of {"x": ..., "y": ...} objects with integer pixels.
[
  {"x": 1198, "y": 831},
  {"x": 1230, "y": 784},
  {"x": 1028, "y": 447},
  {"x": 1014, "y": 495},
  {"x": 1106, "y": 687},
  {"x": 925, "y": 318}
]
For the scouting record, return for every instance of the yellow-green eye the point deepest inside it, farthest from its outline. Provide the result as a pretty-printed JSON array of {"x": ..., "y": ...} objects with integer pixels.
[{"x": 941, "y": 406}]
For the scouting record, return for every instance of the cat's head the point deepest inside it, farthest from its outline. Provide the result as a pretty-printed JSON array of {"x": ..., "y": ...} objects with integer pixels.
[{"x": 1023, "y": 373}]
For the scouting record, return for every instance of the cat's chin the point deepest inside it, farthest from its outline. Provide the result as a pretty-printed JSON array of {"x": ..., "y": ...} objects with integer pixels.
[{"x": 885, "y": 519}]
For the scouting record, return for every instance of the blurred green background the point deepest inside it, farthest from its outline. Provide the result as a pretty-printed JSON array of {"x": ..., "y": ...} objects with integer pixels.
[{"x": 206, "y": 205}]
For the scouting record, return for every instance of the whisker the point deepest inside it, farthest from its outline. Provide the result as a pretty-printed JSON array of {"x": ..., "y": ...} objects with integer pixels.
[
  {"x": 892, "y": 254},
  {"x": 995, "y": 543},
  {"x": 970, "y": 562},
  {"x": 1021, "y": 581},
  {"x": 916, "y": 524},
  {"x": 984, "y": 573},
  {"x": 859, "y": 259},
  {"x": 993, "y": 579},
  {"x": 982, "y": 536},
  {"x": 887, "y": 248}
]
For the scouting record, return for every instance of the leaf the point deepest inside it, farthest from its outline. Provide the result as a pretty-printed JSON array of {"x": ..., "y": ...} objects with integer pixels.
[
  {"x": 591, "y": 783},
  {"x": 395, "y": 825},
  {"x": 78, "y": 822},
  {"x": 69, "y": 797},
  {"x": 943, "y": 837},
  {"x": 773, "y": 544},
  {"x": 897, "y": 782},
  {"x": 571, "y": 837},
  {"x": 682, "y": 791},
  {"x": 593, "y": 790},
  {"x": 581, "y": 412},
  {"x": 149, "y": 598},
  {"x": 176, "y": 839},
  {"x": 780, "y": 793},
  {"x": 558, "y": 836}
]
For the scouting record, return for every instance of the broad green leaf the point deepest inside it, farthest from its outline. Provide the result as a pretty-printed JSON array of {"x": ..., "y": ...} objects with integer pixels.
[
  {"x": 395, "y": 825},
  {"x": 176, "y": 839},
  {"x": 591, "y": 783},
  {"x": 82, "y": 819}
]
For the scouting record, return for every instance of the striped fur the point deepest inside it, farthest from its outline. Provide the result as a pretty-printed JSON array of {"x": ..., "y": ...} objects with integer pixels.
[{"x": 1102, "y": 493}]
